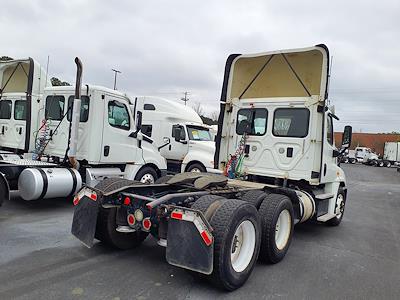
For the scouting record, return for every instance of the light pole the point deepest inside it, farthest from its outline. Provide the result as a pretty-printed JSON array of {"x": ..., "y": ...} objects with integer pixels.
[
  {"x": 115, "y": 77},
  {"x": 185, "y": 99}
]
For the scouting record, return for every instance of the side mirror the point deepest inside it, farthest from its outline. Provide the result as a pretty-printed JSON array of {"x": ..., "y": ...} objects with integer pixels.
[
  {"x": 177, "y": 132},
  {"x": 244, "y": 127},
  {"x": 346, "y": 138},
  {"x": 139, "y": 117}
]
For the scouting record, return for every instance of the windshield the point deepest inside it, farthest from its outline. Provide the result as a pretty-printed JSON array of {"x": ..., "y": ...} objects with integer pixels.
[{"x": 198, "y": 133}]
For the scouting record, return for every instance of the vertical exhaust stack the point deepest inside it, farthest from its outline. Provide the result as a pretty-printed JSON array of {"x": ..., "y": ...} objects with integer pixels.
[{"x": 75, "y": 116}]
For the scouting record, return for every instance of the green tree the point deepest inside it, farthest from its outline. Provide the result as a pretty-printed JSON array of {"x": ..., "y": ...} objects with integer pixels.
[
  {"x": 57, "y": 82},
  {"x": 5, "y": 58}
]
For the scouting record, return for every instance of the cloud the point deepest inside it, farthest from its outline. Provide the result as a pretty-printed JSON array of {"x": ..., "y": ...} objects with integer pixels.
[{"x": 168, "y": 47}]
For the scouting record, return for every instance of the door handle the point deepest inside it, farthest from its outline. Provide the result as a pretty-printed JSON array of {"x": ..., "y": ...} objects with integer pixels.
[
  {"x": 246, "y": 150},
  {"x": 289, "y": 152},
  {"x": 2, "y": 129},
  {"x": 106, "y": 151}
]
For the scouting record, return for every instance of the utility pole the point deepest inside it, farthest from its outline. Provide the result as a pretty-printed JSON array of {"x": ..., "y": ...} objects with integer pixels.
[
  {"x": 185, "y": 99},
  {"x": 115, "y": 77}
]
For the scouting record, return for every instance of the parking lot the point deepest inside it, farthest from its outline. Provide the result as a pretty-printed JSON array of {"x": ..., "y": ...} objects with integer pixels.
[{"x": 40, "y": 259}]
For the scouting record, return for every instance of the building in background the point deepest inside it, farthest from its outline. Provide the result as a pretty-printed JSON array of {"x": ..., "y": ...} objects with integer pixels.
[{"x": 375, "y": 141}]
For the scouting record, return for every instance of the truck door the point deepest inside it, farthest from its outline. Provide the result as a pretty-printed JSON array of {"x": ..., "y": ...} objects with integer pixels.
[
  {"x": 6, "y": 124},
  {"x": 178, "y": 150},
  {"x": 328, "y": 172},
  {"x": 117, "y": 146},
  {"x": 19, "y": 117}
]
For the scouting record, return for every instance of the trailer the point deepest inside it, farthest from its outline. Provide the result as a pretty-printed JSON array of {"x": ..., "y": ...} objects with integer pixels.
[
  {"x": 275, "y": 146},
  {"x": 391, "y": 154},
  {"x": 87, "y": 134},
  {"x": 190, "y": 145}
]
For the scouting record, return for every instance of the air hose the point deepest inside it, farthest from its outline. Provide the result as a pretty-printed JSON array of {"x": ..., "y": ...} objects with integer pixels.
[{"x": 233, "y": 168}]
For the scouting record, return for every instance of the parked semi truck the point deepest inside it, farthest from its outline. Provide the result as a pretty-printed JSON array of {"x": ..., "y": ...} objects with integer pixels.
[
  {"x": 179, "y": 133},
  {"x": 275, "y": 144},
  {"x": 88, "y": 134},
  {"x": 22, "y": 85}
]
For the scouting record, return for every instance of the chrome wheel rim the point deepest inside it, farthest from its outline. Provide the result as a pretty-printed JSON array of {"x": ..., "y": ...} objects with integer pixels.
[
  {"x": 243, "y": 246},
  {"x": 147, "y": 178},
  {"x": 339, "y": 206},
  {"x": 282, "y": 229}
]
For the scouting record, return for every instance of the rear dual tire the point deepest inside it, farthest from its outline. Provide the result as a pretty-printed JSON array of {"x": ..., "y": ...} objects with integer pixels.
[
  {"x": 237, "y": 239},
  {"x": 106, "y": 226},
  {"x": 106, "y": 231},
  {"x": 276, "y": 213}
]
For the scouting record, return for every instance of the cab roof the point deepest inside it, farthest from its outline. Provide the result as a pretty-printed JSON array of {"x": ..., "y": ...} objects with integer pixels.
[{"x": 278, "y": 74}]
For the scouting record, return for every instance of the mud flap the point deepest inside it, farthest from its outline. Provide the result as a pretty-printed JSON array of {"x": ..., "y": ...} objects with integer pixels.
[
  {"x": 186, "y": 247},
  {"x": 4, "y": 189},
  {"x": 85, "y": 220}
]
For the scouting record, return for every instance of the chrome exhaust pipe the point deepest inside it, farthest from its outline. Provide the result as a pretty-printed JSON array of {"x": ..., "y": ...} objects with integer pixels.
[{"x": 76, "y": 108}]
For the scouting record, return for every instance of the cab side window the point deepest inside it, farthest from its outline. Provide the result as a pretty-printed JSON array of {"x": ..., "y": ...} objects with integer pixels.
[
  {"x": 147, "y": 130},
  {"x": 329, "y": 130},
  {"x": 54, "y": 109},
  {"x": 5, "y": 109},
  {"x": 183, "y": 134},
  {"x": 255, "y": 118},
  {"x": 20, "y": 110},
  {"x": 84, "y": 114},
  {"x": 291, "y": 122},
  {"x": 118, "y": 115}
]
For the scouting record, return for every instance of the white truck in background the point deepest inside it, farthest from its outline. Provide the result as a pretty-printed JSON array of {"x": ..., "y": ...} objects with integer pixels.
[
  {"x": 22, "y": 82},
  {"x": 88, "y": 134},
  {"x": 179, "y": 133}
]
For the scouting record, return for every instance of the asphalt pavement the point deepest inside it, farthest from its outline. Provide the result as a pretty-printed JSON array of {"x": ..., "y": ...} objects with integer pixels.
[{"x": 360, "y": 259}]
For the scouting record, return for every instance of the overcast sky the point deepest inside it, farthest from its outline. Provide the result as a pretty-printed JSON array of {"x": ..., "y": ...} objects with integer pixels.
[{"x": 164, "y": 48}]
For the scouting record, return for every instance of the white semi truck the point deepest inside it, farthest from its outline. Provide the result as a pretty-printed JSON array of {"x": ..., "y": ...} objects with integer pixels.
[
  {"x": 275, "y": 142},
  {"x": 88, "y": 134},
  {"x": 22, "y": 85},
  {"x": 179, "y": 133}
]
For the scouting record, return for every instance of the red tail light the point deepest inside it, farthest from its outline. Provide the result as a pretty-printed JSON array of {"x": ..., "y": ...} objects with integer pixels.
[
  {"x": 176, "y": 215},
  {"x": 131, "y": 219},
  {"x": 127, "y": 201},
  {"x": 146, "y": 224}
]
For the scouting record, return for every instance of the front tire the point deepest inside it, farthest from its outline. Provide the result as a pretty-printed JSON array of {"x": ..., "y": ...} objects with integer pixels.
[
  {"x": 237, "y": 238},
  {"x": 196, "y": 167},
  {"x": 276, "y": 213},
  {"x": 146, "y": 175},
  {"x": 339, "y": 208}
]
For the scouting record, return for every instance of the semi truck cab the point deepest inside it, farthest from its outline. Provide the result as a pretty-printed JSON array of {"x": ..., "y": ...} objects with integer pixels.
[
  {"x": 276, "y": 127},
  {"x": 179, "y": 133}
]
